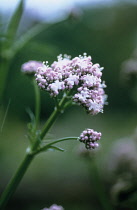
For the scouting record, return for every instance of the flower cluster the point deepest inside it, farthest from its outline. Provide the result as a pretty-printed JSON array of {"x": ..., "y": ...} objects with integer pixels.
[
  {"x": 77, "y": 74},
  {"x": 31, "y": 67},
  {"x": 54, "y": 207},
  {"x": 90, "y": 137}
]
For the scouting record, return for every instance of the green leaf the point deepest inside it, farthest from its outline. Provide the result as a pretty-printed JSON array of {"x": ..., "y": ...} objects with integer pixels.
[
  {"x": 53, "y": 148},
  {"x": 15, "y": 20},
  {"x": 30, "y": 34},
  {"x": 27, "y": 36}
]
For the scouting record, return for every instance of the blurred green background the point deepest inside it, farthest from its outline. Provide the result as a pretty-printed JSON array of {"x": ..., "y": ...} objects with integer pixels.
[{"x": 109, "y": 34}]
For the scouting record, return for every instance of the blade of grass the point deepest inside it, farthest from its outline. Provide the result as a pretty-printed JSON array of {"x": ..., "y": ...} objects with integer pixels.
[
  {"x": 5, "y": 115},
  {"x": 14, "y": 22}
]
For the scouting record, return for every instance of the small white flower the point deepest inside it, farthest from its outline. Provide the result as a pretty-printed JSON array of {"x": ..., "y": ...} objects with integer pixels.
[
  {"x": 72, "y": 79},
  {"x": 94, "y": 107},
  {"x": 56, "y": 86},
  {"x": 91, "y": 80}
]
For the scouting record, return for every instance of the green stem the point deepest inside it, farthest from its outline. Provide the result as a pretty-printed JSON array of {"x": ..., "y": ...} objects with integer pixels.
[
  {"x": 37, "y": 104},
  {"x": 99, "y": 188},
  {"x": 11, "y": 187},
  {"x": 53, "y": 117}
]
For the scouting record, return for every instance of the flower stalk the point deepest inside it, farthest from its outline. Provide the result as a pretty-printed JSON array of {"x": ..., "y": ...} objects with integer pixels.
[
  {"x": 37, "y": 104},
  {"x": 57, "y": 111}
]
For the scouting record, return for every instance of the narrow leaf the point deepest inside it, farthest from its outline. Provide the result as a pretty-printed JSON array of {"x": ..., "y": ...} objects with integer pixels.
[
  {"x": 27, "y": 36},
  {"x": 15, "y": 20},
  {"x": 30, "y": 34},
  {"x": 53, "y": 148}
]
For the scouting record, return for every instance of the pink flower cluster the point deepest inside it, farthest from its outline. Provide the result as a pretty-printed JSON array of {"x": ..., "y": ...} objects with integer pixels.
[
  {"x": 31, "y": 67},
  {"x": 90, "y": 137},
  {"x": 77, "y": 74},
  {"x": 54, "y": 207}
]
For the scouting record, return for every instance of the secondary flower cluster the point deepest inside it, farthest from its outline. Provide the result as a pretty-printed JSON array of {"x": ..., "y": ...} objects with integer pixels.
[
  {"x": 90, "y": 137},
  {"x": 77, "y": 74},
  {"x": 54, "y": 207},
  {"x": 31, "y": 67}
]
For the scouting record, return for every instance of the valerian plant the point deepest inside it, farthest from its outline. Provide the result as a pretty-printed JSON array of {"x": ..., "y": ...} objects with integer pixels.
[{"x": 68, "y": 81}]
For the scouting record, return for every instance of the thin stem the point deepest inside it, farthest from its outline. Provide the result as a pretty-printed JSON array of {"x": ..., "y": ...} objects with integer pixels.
[
  {"x": 37, "y": 104},
  {"x": 56, "y": 102},
  {"x": 11, "y": 187},
  {"x": 49, "y": 123},
  {"x": 99, "y": 188},
  {"x": 53, "y": 117},
  {"x": 62, "y": 139},
  {"x": 54, "y": 142},
  {"x": 5, "y": 116}
]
